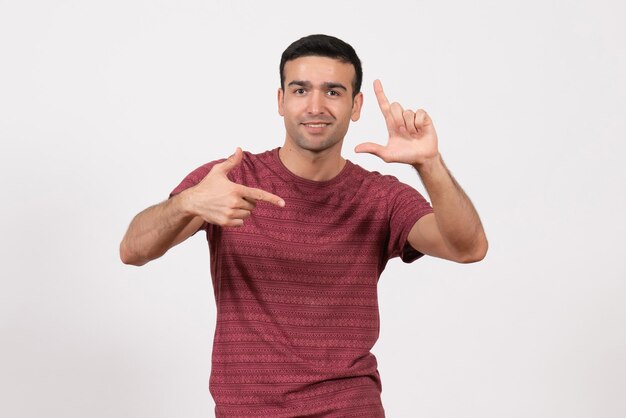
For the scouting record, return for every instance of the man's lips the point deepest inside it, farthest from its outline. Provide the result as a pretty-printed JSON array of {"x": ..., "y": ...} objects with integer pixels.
[{"x": 316, "y": 123}]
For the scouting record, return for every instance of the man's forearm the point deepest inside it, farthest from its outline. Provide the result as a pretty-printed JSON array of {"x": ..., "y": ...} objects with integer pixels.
[
  {"x": 153, "y": 231},
  {"x": 456, "y": 216}
]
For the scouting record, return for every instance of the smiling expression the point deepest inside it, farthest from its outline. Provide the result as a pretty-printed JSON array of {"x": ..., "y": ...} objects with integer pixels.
[{"x": 317, "y": 104}]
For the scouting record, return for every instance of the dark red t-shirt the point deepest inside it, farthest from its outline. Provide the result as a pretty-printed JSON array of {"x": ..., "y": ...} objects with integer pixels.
[{"x": 296, "y": 290}]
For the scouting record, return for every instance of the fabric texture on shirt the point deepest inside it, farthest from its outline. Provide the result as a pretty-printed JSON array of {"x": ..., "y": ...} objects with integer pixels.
[{"x": 296, "y": 290}]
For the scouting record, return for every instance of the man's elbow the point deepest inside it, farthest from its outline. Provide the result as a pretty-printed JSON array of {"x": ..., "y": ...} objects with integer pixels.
[
  {"x": 477, "y": 253},
  {"x": 130, "y": 257}
]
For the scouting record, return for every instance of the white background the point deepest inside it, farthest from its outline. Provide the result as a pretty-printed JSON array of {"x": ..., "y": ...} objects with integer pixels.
[{"x": 106, "y": 105}]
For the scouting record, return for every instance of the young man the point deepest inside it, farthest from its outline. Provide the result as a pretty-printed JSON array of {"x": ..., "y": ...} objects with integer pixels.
[{"x": 299, "y": 236}]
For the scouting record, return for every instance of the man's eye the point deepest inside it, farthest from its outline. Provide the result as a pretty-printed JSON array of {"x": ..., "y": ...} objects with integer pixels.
[
  {"x": 299, "y": 91},
  {"x": 333, "y": 93}
]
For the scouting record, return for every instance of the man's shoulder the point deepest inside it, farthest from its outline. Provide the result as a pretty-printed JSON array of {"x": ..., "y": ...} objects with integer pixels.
[
  {"x": 376, "y": 178},
  {"x": 263, "y": 156}
]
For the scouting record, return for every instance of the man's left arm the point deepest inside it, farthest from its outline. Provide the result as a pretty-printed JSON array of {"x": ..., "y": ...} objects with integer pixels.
[{"x": 453, "y": 231}]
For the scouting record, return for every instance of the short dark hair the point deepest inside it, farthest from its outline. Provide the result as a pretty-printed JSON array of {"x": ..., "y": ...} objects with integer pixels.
[{"x": 323, "y": 46}]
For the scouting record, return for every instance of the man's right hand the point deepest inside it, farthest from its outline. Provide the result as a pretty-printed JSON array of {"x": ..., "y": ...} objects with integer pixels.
[
  {"x": 215, "y": 200},
  {"x": 219, "y": 201}
]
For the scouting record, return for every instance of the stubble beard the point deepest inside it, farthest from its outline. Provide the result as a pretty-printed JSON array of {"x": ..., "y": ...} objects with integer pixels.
[{"x": 313, "y": 145}]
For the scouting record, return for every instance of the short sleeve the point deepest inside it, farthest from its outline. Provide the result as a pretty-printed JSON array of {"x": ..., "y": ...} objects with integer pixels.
[{"x": 406, "y": 207}]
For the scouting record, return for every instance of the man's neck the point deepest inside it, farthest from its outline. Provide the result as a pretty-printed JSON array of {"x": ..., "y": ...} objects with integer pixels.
[{"x": 316, "y": 166}]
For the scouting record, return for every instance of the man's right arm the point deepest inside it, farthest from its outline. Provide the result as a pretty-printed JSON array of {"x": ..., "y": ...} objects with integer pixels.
[
  {"x": 157, "y": 229},
  {"x": 215, "y": 199}
]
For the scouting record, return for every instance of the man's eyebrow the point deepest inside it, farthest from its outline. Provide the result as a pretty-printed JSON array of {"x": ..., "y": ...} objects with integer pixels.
[
  {"x": 326, "y": 85},
  {"x": 332, "y": 85},
  {"x": 300, "y": 83}
]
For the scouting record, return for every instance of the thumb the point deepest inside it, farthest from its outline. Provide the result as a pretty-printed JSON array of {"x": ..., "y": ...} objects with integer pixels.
[
  {"x": 231, "y": 162},
  {"x": 370, "y": 148}
]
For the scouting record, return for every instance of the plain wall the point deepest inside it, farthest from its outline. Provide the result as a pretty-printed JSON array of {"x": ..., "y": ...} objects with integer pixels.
[{"x": 106, "y": 105}]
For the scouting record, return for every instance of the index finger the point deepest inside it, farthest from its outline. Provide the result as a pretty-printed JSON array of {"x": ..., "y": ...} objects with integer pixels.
[
  {"x": 383, "y": 103},
  {"x": 258, "y": 194}
]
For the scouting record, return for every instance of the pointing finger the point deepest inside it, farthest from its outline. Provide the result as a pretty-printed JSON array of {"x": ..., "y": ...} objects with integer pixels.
[
  {"x": 380, "y": 95},
  {"x": 251, "y": 193},
  {"x": 383, "y": 103}
]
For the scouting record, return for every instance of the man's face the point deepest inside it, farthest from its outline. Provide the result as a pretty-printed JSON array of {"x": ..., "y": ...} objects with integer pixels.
[{"x": 317, "y": 103}]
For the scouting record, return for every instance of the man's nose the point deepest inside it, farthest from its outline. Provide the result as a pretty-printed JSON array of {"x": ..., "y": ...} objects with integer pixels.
[{"x": 316, "y": 103}]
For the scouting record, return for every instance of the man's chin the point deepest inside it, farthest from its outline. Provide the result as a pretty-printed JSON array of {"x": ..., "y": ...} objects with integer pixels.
[{"x": 312, "y": 145}]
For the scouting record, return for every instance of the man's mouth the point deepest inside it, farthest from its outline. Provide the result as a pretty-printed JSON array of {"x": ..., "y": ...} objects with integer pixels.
[{"x": 316, "y": 125}]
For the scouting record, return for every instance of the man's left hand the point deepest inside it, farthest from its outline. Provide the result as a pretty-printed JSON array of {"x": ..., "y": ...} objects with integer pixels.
[{"x": 412, "y": 136}]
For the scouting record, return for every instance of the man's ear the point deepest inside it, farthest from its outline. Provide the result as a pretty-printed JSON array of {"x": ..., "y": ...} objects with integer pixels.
[
  {"x": 281, "y": 111},
  {"x": 357, "y": 104}
]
